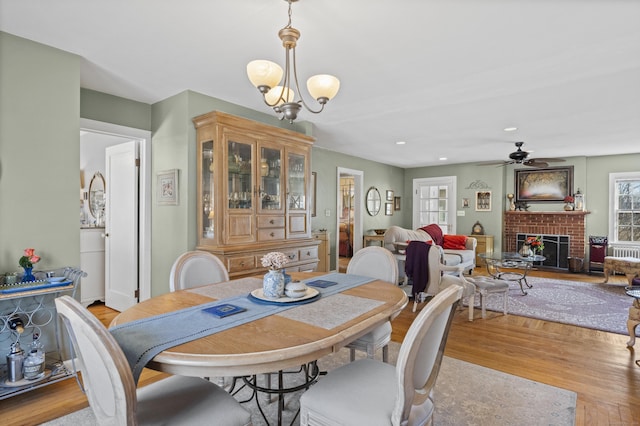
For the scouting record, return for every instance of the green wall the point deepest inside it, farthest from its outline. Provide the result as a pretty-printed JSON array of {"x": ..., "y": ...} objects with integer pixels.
[
  {"x": 384, "y": 177},
  {"x": 114, "y": 109},
  {"x": 39, "y": 153}
]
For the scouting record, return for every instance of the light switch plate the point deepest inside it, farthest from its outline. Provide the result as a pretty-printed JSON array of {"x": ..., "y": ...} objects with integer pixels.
[
  {"x": 327, "y": 212},
  {"x": 461, "y": 212}
]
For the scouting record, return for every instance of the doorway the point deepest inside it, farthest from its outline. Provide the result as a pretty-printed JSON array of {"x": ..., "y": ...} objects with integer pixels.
[
  {"x": 349, "y": 215},
  {"x": 114, "y": 135}
]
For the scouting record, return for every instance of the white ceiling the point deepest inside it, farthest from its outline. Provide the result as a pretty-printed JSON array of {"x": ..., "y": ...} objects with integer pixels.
[{"x": 446, "y": 76}]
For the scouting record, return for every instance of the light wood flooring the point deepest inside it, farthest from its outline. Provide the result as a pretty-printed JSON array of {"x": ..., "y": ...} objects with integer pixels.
[{"x": 596, "y": 365}]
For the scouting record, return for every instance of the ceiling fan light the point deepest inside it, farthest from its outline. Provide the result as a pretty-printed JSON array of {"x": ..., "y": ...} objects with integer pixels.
[
  {"x": 279, "y": 95},
  {"x": 323, "y": 86},
  {"x": 264, "y": 73}
]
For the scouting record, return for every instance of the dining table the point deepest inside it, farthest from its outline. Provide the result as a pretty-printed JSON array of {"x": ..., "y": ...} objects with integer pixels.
[{"x": 291, "y": 336}]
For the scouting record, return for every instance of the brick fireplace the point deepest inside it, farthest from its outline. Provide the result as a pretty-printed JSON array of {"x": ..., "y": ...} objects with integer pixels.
[{"x": 570, "y": 223}]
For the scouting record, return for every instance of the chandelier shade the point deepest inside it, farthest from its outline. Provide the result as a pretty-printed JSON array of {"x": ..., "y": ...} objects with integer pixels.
[
  {"x": 263, "y": 73},
  {"x": 266, "y": 76}
]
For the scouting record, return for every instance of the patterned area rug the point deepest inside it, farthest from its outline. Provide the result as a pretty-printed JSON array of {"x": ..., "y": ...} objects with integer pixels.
[
  {"x": 597, "y": 306},
  {"x": 465, "y": 394}
]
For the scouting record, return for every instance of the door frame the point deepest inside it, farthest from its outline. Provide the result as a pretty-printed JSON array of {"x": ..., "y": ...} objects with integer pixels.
[
  {"x": 144, "y": 207},
  {"x": 358, "y": 182}
]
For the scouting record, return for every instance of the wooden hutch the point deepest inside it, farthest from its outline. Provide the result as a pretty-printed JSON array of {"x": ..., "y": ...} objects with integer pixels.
[{"x": 253, "y": 185}]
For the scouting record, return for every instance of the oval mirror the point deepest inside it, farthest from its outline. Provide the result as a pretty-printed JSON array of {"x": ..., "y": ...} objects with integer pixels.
[
  {"x": 97, "y": 197},
  {"x": 373, "y": 201}
]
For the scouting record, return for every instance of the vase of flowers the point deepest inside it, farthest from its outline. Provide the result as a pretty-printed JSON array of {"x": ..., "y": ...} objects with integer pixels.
[
  {"x": 525, "y": 250},
  {"x": 568, "y": 203},
  {"x": 273, "y": 281},
  {"x": 26, "y": 261},
  {"x": 536, "y": 244}
]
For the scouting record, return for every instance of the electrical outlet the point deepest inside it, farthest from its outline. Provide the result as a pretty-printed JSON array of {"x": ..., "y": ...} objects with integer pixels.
[{"x": 327, "y": 212}]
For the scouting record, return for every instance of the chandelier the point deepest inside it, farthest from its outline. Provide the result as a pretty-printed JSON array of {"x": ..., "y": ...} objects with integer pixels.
[{"x": 266, "y": 75}]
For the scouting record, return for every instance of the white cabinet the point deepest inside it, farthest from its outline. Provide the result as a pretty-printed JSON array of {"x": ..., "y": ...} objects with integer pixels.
[{"x": 92, "y": 262}]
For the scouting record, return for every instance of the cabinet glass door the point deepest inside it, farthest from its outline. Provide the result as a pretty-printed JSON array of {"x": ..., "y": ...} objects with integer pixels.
[
  {"x": 296, "y": 187},
  {"x": 208, "y": 208},
  {"x": 270, "y": 179},
  {"x": 240, "y": 174}
]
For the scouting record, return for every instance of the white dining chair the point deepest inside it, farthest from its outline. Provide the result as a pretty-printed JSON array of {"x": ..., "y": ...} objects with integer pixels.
[
  {"x": 196, "y": 268},
  {"x": 370, "y": 392},
  {"x": 375, "y": 262},
  {"x": 111, "y": 391}
]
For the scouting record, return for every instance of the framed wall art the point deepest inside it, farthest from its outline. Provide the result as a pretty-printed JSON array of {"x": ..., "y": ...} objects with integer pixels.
[
  {"x": 483, "y": 201},
  {"x": 388, "y": 209},
  {"x": 544, "y": 185},
  {"x": 167, "y": 187},
  {"x": 396, "y": 203},
  {"x": 389, "y": 195}
]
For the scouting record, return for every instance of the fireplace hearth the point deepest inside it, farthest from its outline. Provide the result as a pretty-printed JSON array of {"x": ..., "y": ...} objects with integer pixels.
[{"x": 569, "y": 224}]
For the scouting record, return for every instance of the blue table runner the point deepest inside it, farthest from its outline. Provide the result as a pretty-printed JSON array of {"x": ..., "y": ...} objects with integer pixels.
[{"x": 143, "y": 339}]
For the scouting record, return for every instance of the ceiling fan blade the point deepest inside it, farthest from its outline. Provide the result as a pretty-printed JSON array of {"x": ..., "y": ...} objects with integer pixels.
[
  {"x": 493, "y": 163},
  {"x": 535, "y": 162},
  {"x": 549, "y": 160}
]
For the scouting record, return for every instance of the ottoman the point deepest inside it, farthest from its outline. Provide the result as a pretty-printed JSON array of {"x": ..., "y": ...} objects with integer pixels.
[{"x": 486, "y": 286}]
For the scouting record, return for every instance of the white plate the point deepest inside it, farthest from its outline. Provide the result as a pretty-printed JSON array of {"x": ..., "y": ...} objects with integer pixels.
[
  {"x": 259, "y": 294},
  {"x": 55, "y": 279}
]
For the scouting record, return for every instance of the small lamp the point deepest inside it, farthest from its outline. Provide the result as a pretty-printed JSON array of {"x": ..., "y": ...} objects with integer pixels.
[{"x": 579, "y": 200}]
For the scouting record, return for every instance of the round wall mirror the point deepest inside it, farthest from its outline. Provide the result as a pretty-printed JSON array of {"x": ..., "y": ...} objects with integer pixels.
[
  {"x": 97, "y": 197},
  {"x": 373, "y": 201}
]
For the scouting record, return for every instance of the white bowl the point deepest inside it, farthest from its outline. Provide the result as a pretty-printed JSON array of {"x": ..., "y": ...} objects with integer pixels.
[
  {"x": 295, "y": 290},
  {"x": 55, "y": 279}
]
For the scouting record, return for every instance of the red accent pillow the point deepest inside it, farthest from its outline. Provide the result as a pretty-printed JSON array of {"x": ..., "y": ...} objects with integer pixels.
[{"x": 455, "y": 242}]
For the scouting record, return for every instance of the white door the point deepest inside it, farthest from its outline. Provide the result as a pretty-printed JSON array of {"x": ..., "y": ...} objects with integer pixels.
[
  {"x": 434, "y": 201},
  {"x": 121, "y": 226}
]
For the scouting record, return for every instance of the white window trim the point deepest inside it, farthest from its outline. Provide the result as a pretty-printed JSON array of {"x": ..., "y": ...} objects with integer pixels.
[{"x": 613, "y": 178}]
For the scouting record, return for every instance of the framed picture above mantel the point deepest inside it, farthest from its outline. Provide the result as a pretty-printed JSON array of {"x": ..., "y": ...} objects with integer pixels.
[{"x": 544, "y": 185}]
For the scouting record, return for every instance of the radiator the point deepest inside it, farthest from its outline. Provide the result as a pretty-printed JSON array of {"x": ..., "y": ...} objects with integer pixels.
[{"x": 626, "y": 252}]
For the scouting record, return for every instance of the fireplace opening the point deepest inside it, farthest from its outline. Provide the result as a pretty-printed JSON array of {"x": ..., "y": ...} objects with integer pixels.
[{"x": 556, "y": 249}]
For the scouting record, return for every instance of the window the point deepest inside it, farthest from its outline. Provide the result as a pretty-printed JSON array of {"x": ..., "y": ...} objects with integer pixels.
[
  {"x": 624, "y": 207},
  {"x": 434, "y": 202}
]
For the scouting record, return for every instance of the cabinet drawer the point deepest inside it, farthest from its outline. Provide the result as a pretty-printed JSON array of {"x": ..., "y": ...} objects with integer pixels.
[
  {"x": 270, "y": 222},
  {"x": 292, "y": 255},
  {"x": 235, "y": 264},
  {"x": 270, "y": 234},
  {"x": 309, "y": 253}
]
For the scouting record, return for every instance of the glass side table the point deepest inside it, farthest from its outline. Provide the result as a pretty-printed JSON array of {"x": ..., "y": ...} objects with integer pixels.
[{"x": 511, "y": 266}]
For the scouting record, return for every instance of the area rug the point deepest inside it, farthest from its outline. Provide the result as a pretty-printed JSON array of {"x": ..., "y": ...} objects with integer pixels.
[
  {"x": 465, "y": 394},
  {"x": 597, "y": 306}
]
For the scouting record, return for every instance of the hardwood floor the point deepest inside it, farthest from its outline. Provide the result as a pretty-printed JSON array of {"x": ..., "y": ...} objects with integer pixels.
[{"x": 596, "y": 365}]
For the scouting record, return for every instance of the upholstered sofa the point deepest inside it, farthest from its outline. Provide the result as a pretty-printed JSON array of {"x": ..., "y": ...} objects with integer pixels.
[{"x": 464, "y": 258}]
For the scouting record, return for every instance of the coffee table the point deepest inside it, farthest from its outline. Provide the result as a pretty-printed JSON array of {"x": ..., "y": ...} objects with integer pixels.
[{"x": 511, "y": 266}]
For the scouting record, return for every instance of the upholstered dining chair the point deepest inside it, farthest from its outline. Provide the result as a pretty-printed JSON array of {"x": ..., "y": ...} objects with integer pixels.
[
  {"x": 370, "y": 392},
  {"x": 375, "y": 262},
  {"x": 111, "y": 391},
  {"x": 442, "y": 276},
  {"x": 196, "y": 268}
]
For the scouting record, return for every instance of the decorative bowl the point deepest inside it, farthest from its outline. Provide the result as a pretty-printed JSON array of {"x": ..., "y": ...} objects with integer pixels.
[
  {"x": 379, "y": 231},
  {"x": 55, "y": 279},
  {"x": 295, "y": 289}
]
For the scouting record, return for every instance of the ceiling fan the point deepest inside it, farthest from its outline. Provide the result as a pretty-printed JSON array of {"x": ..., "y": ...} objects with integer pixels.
[{"x": 520, "y": 157}]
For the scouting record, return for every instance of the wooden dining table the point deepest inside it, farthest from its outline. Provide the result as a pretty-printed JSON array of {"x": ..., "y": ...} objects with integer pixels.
[{"x": 275, "y": 342}]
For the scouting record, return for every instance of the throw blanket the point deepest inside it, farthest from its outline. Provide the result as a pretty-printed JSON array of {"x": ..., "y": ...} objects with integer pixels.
[
  {"x": 435, "y": 232},
  {"x": 417, "y": 265}
]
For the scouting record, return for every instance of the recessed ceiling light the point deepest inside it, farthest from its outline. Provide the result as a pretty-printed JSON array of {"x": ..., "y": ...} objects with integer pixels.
[
  {"x": 400, "y": 143},
  {"x": 510, "y": 129},
  {"x": 442, "y": 158}
]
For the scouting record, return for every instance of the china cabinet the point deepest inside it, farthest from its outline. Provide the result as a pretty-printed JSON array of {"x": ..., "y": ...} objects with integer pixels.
[{"x": 253, "y": 184}]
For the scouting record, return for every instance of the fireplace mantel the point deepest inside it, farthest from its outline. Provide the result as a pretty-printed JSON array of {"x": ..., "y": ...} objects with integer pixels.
[
  {"x": 570, "y": 212},
  {"x": 572, "y": 223}
]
